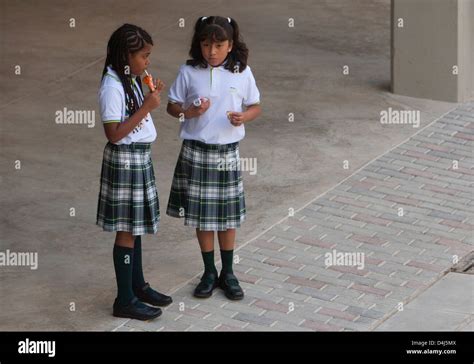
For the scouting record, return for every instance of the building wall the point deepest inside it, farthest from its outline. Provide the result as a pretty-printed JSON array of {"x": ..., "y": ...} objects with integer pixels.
[
  {"x": 436, "y": 36},
  {"x": 466, "y": 49}
]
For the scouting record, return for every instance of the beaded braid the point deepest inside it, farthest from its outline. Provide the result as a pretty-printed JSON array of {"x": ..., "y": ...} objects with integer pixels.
[{"x": 126, "y": 40}]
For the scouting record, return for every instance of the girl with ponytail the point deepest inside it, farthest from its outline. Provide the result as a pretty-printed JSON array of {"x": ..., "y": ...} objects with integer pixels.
[{"x": 213, "y": 96}]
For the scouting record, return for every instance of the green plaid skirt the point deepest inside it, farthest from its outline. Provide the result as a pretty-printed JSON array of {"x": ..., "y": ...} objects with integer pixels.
[
  {"x": 206, "y": 190},
  {"x": 128, "y": 198}
]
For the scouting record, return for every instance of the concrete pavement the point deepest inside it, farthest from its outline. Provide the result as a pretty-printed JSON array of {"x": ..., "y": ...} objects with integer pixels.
[
  {"x": 298, "y": 70},
  {"x": 448, "y": 305}
]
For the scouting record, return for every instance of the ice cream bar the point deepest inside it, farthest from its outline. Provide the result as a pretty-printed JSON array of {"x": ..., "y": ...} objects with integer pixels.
[{"x": 149, "y": 81}]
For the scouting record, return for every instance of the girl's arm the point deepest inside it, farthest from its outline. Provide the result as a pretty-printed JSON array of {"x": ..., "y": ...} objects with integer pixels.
[
  {"x": 116, "y": 131},
  {"x": 176, "y": 110}
]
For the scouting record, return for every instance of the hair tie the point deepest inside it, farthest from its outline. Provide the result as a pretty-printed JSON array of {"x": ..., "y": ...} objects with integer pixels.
[
  {"x": 203, "y": 18},
  {"x": 230, "y": 20}
]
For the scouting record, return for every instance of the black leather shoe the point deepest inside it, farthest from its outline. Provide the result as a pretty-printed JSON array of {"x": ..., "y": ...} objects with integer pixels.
[
  {"x": 136, "y": 310},
  {"x": 230, "y": 284},
  {"x": 206, "y": 286},
  {"x": 149, "y": 295}
]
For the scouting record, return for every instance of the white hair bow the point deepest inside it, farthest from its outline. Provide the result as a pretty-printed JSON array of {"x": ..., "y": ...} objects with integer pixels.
[{"x": 228, "y": 19}]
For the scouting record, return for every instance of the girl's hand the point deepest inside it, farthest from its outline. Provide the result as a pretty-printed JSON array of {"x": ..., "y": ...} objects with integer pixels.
[
  {"x": 152, "y": 101},
  {"x": 159, "y": 85},
  {"x": 236, "y": 118},
  {"x": 196, "y": 111}
]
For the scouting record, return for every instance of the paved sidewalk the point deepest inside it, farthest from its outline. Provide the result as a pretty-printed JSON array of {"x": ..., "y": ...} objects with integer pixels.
[{"x": 288, "y": 283}]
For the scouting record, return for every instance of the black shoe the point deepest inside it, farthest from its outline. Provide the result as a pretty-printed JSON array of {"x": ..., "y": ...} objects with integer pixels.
[
  {"x": 136, "y": 310},
  {"x": 149, "y": 295},
  {"x": 230, "y": 284},
  {"x": 206, "y": 286}
]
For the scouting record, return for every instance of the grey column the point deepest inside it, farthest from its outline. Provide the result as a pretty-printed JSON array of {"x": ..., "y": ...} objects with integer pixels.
[{"x": 432, "y": 49}]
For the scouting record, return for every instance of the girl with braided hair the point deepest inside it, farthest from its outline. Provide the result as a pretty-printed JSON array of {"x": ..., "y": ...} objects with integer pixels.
[{"x": 128, "y": 198}]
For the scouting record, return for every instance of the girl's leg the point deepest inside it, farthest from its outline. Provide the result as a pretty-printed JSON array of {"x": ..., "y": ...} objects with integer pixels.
[
  {"x": 227, "y": 243},
  {"x": 226, "y": 239},
  {"x": 124, "y": 239},
  {"x": 227, "y": 280},
  {"x": 209, "y": 278},
  {"x": 126, "y": 304},
  {"x": 138, "y": 280},
  {"x": 206, "y": 240},
  {"x": 123, "y": 263},
  {"x": 139, "y": 286},
  {"x": 206, "y": 243}
]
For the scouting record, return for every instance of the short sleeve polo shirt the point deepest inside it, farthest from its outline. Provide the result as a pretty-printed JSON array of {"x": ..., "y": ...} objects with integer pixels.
[
  {"x": 227, "y": 91},
  {"x": 113, "y": 109}
]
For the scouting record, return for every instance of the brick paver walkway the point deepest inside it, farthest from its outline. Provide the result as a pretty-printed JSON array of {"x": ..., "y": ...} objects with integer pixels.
[{"x": 287, "y": 281}]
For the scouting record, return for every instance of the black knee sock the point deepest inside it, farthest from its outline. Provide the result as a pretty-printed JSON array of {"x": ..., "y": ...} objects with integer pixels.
[
  {"x": 227, "y": 257},
  {"x": 123, "y": 263},
  {"x": 138, "y": 280},
  {"x": 209, "y": 266}
]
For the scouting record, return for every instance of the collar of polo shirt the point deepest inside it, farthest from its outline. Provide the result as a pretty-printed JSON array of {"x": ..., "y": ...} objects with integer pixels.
[{"x": 221, "y": 66}]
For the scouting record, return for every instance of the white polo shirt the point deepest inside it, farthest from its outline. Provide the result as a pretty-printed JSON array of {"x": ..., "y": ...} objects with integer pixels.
[
  {"x": 226, "y": 90},
  {"x": 113, "y": 108}
]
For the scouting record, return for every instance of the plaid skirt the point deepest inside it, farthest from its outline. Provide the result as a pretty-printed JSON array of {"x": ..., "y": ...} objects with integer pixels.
[
  {"x": 208, "y": 194},
  {"x": 128, "y": 198}
]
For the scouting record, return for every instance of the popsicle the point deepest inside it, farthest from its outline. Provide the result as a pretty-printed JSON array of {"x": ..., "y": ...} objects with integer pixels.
[{"x": 149, "y": 81}]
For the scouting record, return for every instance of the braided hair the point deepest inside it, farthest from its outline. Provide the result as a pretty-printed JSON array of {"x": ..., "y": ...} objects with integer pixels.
[
  {"x": 218, "y": 29},
  {"x": 126, "y": 40}
]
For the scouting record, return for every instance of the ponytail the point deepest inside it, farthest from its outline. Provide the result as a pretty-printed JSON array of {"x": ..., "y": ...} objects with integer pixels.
[{"x": 240, "y": 52}]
